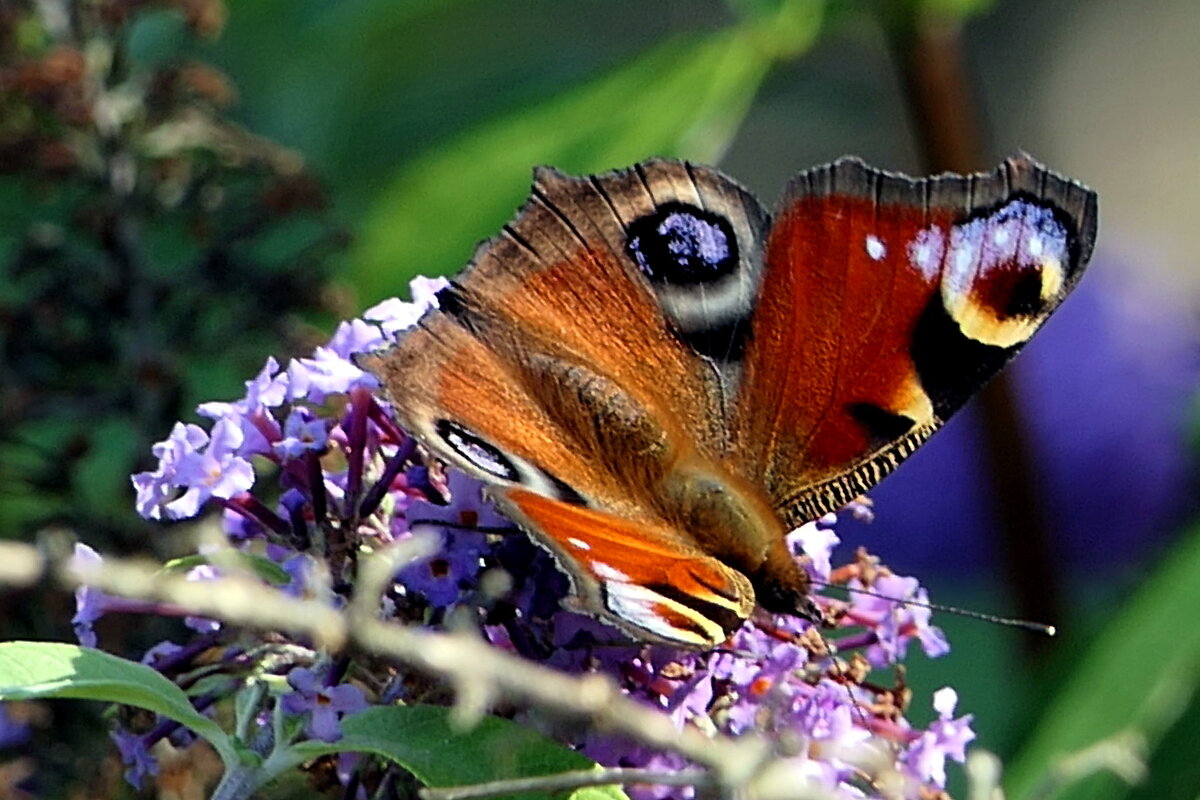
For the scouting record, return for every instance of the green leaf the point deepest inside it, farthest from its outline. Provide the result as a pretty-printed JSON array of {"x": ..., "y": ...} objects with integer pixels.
[
  {"x": 261, "y": 566},
  {"x": 1138, "y": 676},
  {"x": 48, "y": 670},
  {"x": 102, "y": 475},
  {"x": 684, "y": 98},
  {"x": 424, "y": 741},
  {"x": 955, "y": 9}
]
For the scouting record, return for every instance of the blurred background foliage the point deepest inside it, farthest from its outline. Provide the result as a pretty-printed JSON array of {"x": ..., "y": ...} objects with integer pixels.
[{"x": 188, "y": 186}]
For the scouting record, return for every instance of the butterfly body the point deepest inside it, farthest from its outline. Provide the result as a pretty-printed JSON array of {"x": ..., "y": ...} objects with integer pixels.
[{"x": 657, "y": 381}]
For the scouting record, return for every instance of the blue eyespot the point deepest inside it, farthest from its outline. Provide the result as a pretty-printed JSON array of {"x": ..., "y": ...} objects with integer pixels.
[{"x": 681, "y": 244}]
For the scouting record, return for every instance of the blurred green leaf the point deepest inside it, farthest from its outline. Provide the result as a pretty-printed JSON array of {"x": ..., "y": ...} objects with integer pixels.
[
  {"x": 261, "y": 566},
  {"x": 1139, "y": 677},
  {"x": 360, "y": 87},
  {"x": 1173, "y": 769},
  {"x": 955, "y": 9},
  {"x": 102, "y": 474},
  {"x": 22, "y": 506},
  {"x": 684, "y": 98},
  {"x": 24, "y": 499},
  {"x": 420, "y": 737},
  {"x": 44, "y": 670}
]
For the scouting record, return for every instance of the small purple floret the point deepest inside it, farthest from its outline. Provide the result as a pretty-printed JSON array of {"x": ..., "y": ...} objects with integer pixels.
[
  {"x": 394, "y": 315},
  {"x": 303, "y": 432},
  {"x": 90, "y": 602},
  {"x": 946, "y": 738},
  {"x": 325, "y": 704},
  {"x": 325, "y": 373},
  {"x": 136, "y": 756},
  {"x": 218, "y": 471}
]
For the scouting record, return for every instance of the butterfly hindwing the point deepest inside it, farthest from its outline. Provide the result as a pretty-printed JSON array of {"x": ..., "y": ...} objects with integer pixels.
[{"x": 636, "y": 573}]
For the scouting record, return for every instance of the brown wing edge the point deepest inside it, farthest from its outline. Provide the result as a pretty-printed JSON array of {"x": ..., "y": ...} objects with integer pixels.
[{"x": 983, "y": 191}]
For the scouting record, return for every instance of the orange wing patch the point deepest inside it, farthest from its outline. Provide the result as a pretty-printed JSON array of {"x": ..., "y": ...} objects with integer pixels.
[{"x": 638, "y": 574}]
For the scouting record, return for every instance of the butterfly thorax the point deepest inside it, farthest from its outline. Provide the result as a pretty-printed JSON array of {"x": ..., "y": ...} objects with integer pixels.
[{"x": 726, "y": 515}]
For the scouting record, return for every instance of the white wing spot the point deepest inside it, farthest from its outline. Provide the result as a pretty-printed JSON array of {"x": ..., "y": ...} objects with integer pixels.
[
  {"x": 609, "y": 573},
  {"x": 925, "y": 251},
  {"x": 638, "y": 605},
  {"x": 1035, "y": 246},
  {"x": 962, "y": 257},
  {"x": 579, "y": 543},
  {"x": 478, "y": 455},
  {"x": 875, "y": 247}
]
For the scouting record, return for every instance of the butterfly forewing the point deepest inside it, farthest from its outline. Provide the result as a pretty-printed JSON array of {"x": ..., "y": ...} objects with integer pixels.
[{"x": 887, "y": 302}]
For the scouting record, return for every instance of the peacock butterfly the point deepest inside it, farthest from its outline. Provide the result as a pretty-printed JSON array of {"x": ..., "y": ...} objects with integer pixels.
[{"x": 657, "y": 380}]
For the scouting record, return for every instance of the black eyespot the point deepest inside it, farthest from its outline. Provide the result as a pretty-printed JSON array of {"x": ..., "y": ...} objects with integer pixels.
[
  {"x": 951, "y": 366},
  {"x": 882, "y": 426},
  {"x": 1025, "y": 298},
  {"x": 682, "y": 244},
  {"x": 449, "y": 300},
  {"x": 483, "y": 455}
]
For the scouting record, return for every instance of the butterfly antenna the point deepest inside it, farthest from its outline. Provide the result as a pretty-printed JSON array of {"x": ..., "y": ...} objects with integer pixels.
[{"x": 1023, "y": 624}]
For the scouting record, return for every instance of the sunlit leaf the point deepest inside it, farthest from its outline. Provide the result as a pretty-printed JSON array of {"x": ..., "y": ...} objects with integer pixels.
[
  {"x": 684, "y": 98},
  {"x": 423, "y": 741},
  {"x": 49, "y": 670}
]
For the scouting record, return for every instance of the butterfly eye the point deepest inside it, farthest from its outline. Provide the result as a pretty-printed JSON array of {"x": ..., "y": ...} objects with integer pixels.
[
  {"x": 683, "y": 245},
  {"x": 486, "y": 461}
]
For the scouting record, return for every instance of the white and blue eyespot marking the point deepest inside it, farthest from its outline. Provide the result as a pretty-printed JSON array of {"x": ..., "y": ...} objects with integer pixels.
[
  {"x": 1004, "y": 270},
  {"x": 485, "y": 460},
  {"x": 692, "y": 239},
  {"x": 696, "y": 264},
  {"x": 1020, "y": 235},
  {"x": 998, "y": 273},
  {"x": 925, "y": 251},
  {"x": 683, "y": 245},
  {"x": 480, "y": 454}
]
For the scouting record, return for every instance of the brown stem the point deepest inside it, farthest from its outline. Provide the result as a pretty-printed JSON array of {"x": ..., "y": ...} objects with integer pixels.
[{"x": 929, "y": 54}]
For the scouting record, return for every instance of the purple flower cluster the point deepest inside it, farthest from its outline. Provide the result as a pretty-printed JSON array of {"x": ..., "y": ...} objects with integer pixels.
[
  {"x": 351, "y": 481},
  {"x": 783, "y": 677}
]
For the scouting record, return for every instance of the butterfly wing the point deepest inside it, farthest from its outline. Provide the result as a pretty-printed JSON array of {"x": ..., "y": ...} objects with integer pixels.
[
  {"x": 886, "y": 303},
  {"x": 636, "y": 573},
  {"x": 560, "y": 367},
  {"x": 651, "y": 399}
]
